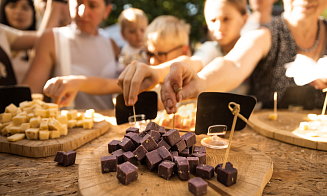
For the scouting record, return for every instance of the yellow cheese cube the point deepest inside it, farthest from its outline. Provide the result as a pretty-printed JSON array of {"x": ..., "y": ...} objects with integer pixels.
[
  {"x": 38, "y": 102},
  {"x": 79, "y": 123},
  {"x": 28, "y": 110},
  {"x": 30, "y": 116},
  {"x": 11, "y": 109},
  {"x": 32, "y": 133},
  {"x": 37, "y": 96},
  {"x": 6, "y": 117},
  {"x": 54, "y": 134},
  {"x": 52, "y": 112},
  {"x": 89, "y": 113},
  {"x": 64, "y": 129},
  {"x": 24, "y": 113},
  {"x": 72, "y": 114},
  {"x": 273, "y": 116},
  {"x": 44, "y": 124},
  {"x": 24, "y": 126},
  {"x": 44, "y": 134},
  {"x": 25, "y": 104},
  {"x": 3, "y": 125},
  {"x": 71, "y": 123},
  {"x": 54, "y": 124},
  {"x": 6, "y": 129},
  {"x": 50, "y": 105},
  {"x": 18, "y": 111},
  {"x": 304, "y": 126},
  {"x": 80, "y": 116},
  {"x": 16, "y": 137},
  {"x": 40, "y": 112},
  {"x": 18, "y": 120},
  {"x": 62, "y": 119},
  {"x": 88, "y": 123},
  {"x": 35, "y": 122},
  {"x": 13, "y": 130}
]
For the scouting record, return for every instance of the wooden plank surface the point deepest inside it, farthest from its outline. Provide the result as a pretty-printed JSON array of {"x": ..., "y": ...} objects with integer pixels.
[
  {"x": 286, "y": 128},
  {"x": 254, "y": 172},
  {"x": 75, "y": 138}
]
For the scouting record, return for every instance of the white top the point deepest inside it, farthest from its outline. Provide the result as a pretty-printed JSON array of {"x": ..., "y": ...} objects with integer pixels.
[
  {"x": 249, "y": 25},
  {"x": 90, "y": 56},
  {"x": 207, "y": 52},
  {"x": 129, "y": 54}
]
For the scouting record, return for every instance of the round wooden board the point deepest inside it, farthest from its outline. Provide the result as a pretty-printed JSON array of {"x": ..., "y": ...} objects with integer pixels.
[
  {"x": 254, "y": 171},
  {"x": 286, "y": 128},
  {"x": 75, "y": 138}
]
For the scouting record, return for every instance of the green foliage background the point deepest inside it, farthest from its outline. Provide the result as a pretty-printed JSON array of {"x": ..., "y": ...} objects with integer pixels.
[{"x": 189, "y": 10}]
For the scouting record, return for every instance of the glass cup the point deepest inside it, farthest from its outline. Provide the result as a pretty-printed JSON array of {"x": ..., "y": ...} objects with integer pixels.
[
  {"x": 139, "y": 121},
  {"x": 214, "y": 141}
]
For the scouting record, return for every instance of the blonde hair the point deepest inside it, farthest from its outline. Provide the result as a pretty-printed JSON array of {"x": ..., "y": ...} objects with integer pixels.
[
  {"x": 131, "y": 15},
  {"x": 167, "y": 30},
  {"x": 240, "y": 5}
]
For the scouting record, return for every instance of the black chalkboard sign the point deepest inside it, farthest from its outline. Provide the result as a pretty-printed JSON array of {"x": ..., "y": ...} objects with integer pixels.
[{"x": 13, "y": 94}]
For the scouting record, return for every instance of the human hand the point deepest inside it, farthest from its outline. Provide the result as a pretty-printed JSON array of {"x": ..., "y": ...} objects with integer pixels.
[
  {"x": 137, "y": 77},
  {"x": 181, "y": 83},
  {"x": 319, "y": 83},
  {"x": 63, "y": 89}
]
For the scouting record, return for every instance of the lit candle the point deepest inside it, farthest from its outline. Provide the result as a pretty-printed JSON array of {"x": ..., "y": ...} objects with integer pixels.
[
  {"x": 325, "y": 103},
  {"x": 275, "y": 103}
]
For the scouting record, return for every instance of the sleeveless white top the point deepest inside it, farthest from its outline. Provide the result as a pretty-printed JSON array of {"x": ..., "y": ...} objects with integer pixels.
[{"x": 83, "y": 54}]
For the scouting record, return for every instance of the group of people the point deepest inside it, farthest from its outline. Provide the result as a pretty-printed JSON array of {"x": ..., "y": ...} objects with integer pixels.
[{"x": 78, "y": 64}]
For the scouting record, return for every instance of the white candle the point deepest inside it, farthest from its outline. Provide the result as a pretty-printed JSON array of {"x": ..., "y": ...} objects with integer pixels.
[{"x": 275, "y": 103}]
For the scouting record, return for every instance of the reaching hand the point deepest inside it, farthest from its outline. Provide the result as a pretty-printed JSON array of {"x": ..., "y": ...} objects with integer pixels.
[
  {"x": 136, "y": 78},
  {"x": 63, "y": 89},
  {"x": 181, "y": 83},
  {"x": 319, "y": 84}
]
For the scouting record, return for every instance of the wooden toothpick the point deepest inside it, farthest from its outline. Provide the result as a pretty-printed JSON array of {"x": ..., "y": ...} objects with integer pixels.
[
  {"x": 134, "y": 114},
  {"x": 325, "y": 103},
  {"x": 176, "y": 91},
  {"x": 236, "y": 111}
]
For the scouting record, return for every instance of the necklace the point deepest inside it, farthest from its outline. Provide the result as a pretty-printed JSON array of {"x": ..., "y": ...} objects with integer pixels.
[{"x": 314, "y": 45}]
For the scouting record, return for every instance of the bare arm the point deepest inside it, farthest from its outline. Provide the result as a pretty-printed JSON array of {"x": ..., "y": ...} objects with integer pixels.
[
  {"x": 222, "y": 74},
  {"x": 42, "y": 63},
  {"x": 63, "y": 89}
]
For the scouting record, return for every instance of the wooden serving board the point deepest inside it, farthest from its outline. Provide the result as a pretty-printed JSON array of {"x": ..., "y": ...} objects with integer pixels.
[
  {"x": 75, "y": 138},
  {"x": 286, "y": 128},
  {"x": 254, "y": 171}
]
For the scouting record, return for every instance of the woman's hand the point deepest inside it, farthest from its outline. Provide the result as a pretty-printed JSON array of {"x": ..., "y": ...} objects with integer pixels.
[
  {"x": 63, "y": 89},
  {"x": 137, "y": 77},
  {"x": 319, "y": 83},
  {"x": 181, "y": 83}
]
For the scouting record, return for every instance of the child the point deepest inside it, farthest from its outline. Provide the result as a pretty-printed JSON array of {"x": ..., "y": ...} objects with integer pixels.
[
  {"x": 77, "y": 52},
  {"x": 133, "y": 23},
  {"x": 225, "y": 19}
]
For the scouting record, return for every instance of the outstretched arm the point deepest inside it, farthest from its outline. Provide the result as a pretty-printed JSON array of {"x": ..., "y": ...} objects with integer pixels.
[
  {"x": 222, "y": 74},
  {"x": 63, "y": 89}
]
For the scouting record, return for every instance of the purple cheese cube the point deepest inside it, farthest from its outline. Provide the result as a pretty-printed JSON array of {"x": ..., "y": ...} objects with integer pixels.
[
  {"x": 172, "y": 137},
  {"x": 173, "y": 154},
  {"x": 133, "y": 130},
  {"x": 119, "y": 154},
  {"x": 155, "y": 135},
  {"x": 130, "y": 157},
  {"x": 130, "y": 134},
  {"x": 152, "y": 160},
  {"x": 229, "y": 164},
  {"x": 113, "y": 146},
  {"x": 127, "y": 173},
  {"x": 205, "y": 171},
  {"x": 193, "y": 162},
  {"x": 179, "y": 146},
  {"x": 143, "y": 133},
  {"x": 183, "y": 168},
  {"x": 164, "y": 153},
  {"x": 163, "y": 143},
  {"x": 202, "y": 157},
  {"x": 149, "y": 143},
  {"x": 227, "y": 176},
  {"x": 109, "y": 164},
  {"x": 201, "y": 149},
  {"x": 127, "y": 145},
  {"x": 184, "y": 153},
  {"x": 136, "y": 139},
  {"x": 69, "y": 158},
  {"x": 166, "y": 169},
  {"x": 152, "y": 126},
  {"x": 59, "y": 157},
  {"x": 197, "y": 186},
  {"x": 140, "y": 152},
  {"x": 162, "y": 130},
  {"x": 189, "y": 138}
]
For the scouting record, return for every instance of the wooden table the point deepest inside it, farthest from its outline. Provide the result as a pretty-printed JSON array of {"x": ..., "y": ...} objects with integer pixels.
[{"x": 297, "y": 170}]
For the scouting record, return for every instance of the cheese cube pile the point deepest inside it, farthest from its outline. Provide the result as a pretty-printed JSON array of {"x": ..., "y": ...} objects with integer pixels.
[{"x": 38, "y": 120}]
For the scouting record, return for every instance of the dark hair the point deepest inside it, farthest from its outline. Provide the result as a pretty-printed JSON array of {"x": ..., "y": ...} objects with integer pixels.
[
  {"x": 107, "y": 2},
  {"x": 3, "y": 16}
]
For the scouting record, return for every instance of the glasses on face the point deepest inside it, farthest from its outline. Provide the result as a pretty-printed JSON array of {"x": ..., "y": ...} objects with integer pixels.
[{"x": 160, "y": 56}]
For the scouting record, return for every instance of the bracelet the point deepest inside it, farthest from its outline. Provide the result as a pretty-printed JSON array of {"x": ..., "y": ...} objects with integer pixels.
[{"x": 61, "y": 1}]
